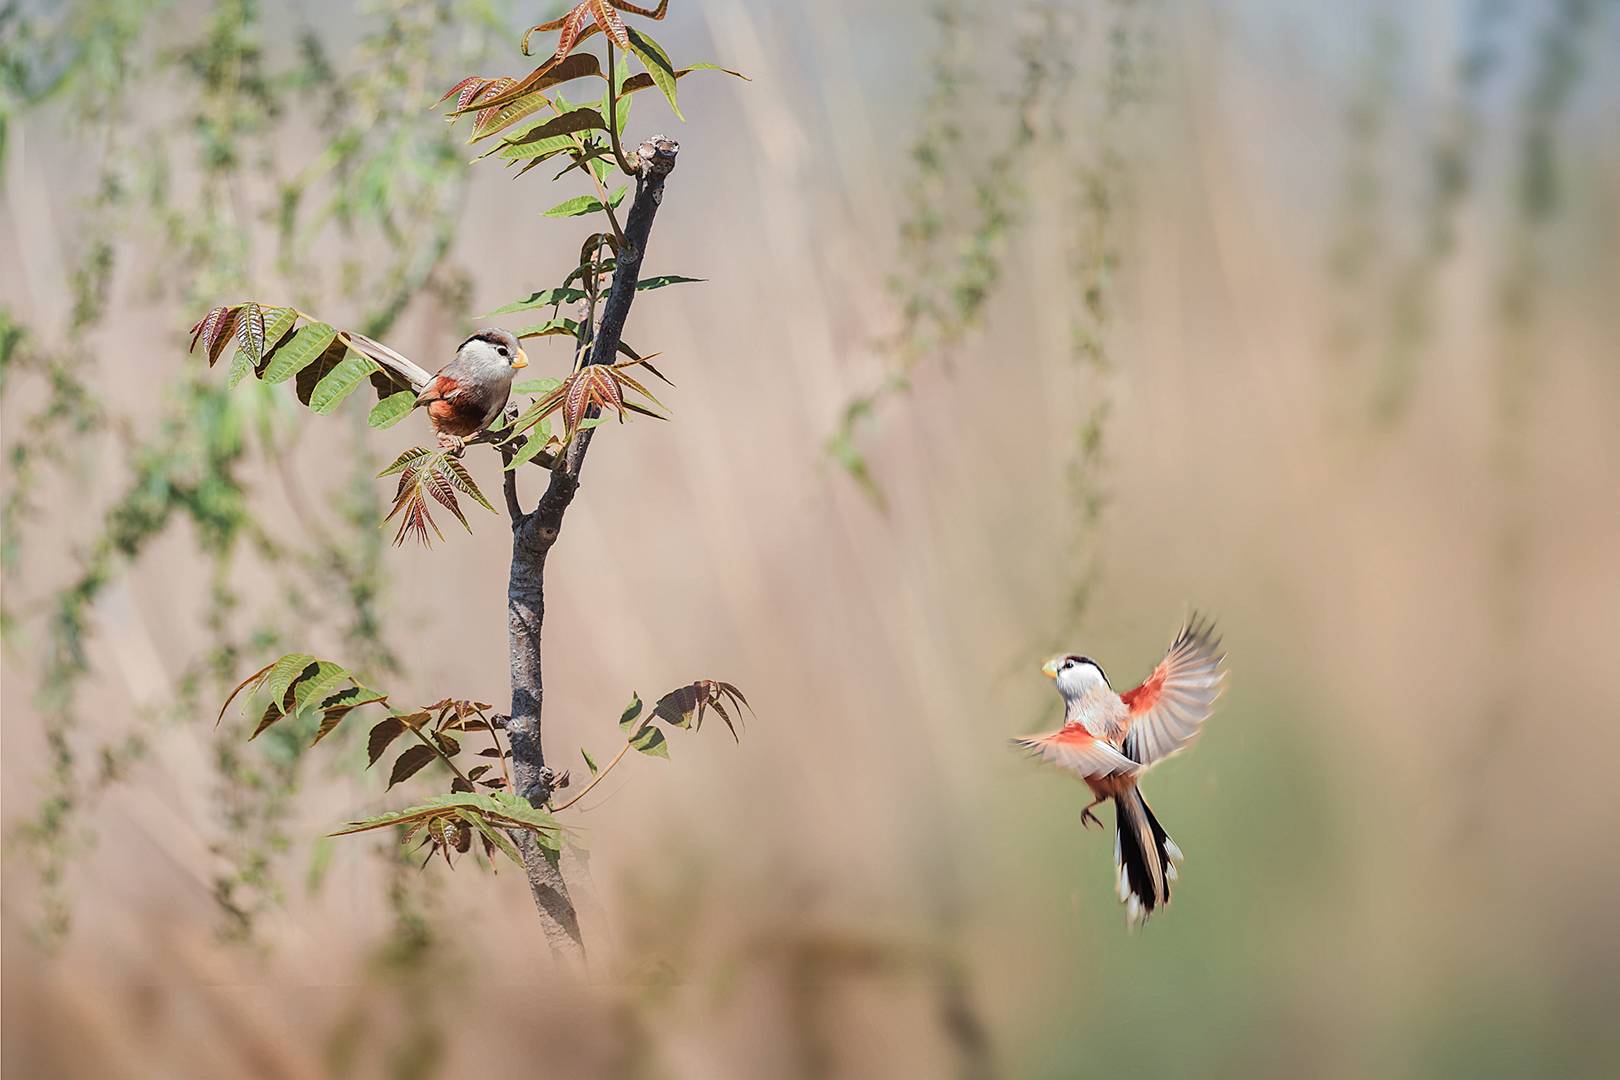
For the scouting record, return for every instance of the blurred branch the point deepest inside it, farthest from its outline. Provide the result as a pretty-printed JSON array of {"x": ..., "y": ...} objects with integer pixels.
[{"x": 533, "y": 535}]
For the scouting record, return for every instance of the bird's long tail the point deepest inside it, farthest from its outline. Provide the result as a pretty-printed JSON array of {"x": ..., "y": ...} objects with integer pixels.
[{"x": 1144, "y": 855}]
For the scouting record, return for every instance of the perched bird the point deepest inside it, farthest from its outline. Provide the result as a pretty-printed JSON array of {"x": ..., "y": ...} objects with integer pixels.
[
  {"x": 1110, "y": 739},
  {"x": 470, "y": 391}
]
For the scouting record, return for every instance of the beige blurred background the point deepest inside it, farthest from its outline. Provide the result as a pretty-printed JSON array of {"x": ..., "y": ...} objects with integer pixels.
[{"x": 1398, "y": 827}]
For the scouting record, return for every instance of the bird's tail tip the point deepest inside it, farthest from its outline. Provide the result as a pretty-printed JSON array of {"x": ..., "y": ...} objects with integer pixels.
[{"x": 1145, "y": 858}]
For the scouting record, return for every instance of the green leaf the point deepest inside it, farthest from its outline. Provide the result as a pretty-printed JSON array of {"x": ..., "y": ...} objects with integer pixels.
[
  {"x": 277, "y": 323},
  {"x": 616, "y": 102},
  {"x": 383, "y": 732},
  {"x": 636, "y": 83},
  {"x": 536, "y": 386},
  {"x": 495, "y": 836},
  {"x": 392, "y": 409},
  {"x": 341, "y": 704},
  {"x": 241, "y": 368},
  {"x": 658, "y": 67},
  {"x": 590, "y": 762},
  {"x": 627, "y": 719},
  {"x": 500, "y": 809},
  {"x": 544, "y": 298},
  {"x": 410, "y": 763},
  {"x": 516, "y": 811},
  {"x": 405, "y": 460},
  {"x": 538, "y": 437},
  {"x": 622, "y": 114},
  {"x": 650, "y": 741},
  {"x": 307, "y": 380},
  {"x": 656, "y": 61},
  {"x": 341, "y": 381},
  {"x": 578, "y": 206},
  {"x": 303, "y": 350},
  {"x": 665, "y": 280},
  {"x": 462, "y": 480},
  {"x": 565, "y": 128},
  {"x": 283, "y": 673},
  {"x": 566, "y": 327},
  {"x": 317, "y": 681},
  {"x": 533, "y": 153}
]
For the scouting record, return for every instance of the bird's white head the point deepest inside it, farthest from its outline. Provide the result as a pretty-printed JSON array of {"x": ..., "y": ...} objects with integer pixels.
[
  {"x": 492, "y": 354},
  {"x": 1076, "y": 676}
]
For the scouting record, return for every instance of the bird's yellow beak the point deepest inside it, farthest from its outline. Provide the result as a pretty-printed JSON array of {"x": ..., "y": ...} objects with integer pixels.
[
  {"x": 521, "y": 360},
  {"x": 1050, "y": 668}
]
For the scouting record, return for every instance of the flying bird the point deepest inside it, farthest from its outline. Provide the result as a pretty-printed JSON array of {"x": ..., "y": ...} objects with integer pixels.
[
  {"x": 1110, "y": 739},
  {"x": 470, "y": 391}
]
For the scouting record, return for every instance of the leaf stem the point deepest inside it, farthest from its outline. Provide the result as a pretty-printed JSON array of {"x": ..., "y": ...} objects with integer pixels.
[
  {"x": 500, "y": 755},
  {"x": 597, "y": 779},
  {"x": 613, "y": 118},
  {"x": 601, "y": 188},
  {"x": 444, "y": 757}
]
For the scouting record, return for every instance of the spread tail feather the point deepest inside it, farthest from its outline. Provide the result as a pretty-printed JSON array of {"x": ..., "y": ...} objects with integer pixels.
[{"x": 1144, "y": 855}]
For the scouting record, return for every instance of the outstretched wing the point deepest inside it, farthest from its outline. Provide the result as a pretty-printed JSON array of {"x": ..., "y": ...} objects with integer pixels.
[
  {"x": 1079, "y": 751},
  {"x": 1168, "y": 710}
]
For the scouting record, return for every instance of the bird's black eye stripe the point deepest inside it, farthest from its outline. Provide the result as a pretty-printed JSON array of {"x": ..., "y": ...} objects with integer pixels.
[{"x": 1071, "y": 661}]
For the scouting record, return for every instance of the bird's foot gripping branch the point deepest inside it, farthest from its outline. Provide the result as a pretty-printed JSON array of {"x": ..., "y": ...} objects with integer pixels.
[{"x": 506, "y": 801}]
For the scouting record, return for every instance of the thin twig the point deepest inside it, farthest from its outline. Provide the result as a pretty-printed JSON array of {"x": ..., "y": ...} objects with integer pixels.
[
  {"x": 444, "y": 757},
  {"x": 500, "y": 755},
  {"x": 613, "y": 117},
  {"x": 601, "y": 189},
  {"x": 597, "y": 779}
]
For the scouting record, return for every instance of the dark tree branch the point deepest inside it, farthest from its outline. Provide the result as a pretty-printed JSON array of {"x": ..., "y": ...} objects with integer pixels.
[
  {"x": 534, "y": 534},
  {"x": 514, "y": 508}
]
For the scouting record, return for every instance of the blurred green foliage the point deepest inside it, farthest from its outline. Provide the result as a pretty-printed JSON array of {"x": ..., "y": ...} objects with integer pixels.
[{"x": 199, "y": 184}]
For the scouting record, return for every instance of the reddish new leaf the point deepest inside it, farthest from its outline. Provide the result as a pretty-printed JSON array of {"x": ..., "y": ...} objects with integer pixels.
[
  {"x": 250, "y": 331},
  {"x": 410, "y": 763},
  {"x": 214, "y": 330},
  {"x": 383, "y": 733},
  {"x": 685, "y": 706},
  {"x": 463, "y": 91},
  {"x": 491, "y": 90}
]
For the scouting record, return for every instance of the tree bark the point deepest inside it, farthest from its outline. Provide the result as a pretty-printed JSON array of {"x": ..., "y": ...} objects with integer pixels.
[{"x": 533, "y": 535}]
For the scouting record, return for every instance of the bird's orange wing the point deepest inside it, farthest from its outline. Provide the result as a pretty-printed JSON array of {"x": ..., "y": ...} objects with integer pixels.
[
  {"x": 1168, "y": 710},
  {"x": 1079, "y": 751},
  {"x": 440, "y": 388}
]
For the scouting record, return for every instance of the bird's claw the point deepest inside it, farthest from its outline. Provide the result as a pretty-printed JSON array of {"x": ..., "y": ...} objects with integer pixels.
[
  {"x": 453, "y": 443},
  {"x": 1088, "y": 819}
]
